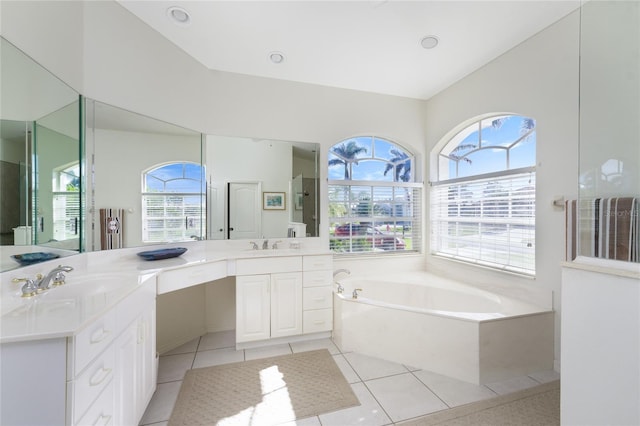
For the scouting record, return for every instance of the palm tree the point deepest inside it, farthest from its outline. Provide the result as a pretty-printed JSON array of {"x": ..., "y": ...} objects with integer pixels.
[
  {"x": 402, "y": 164},
  {"x": 346, "y": 153}
]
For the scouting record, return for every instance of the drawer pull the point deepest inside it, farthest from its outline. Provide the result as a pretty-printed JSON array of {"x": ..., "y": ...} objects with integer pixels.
[
  {"x": 102, "y": 420},
  {"x": 99, "y": 335},
  {"x": 320, "y": 299},
  {"x": 100, "y": 376},
  {"x": 318, "y": 322}
]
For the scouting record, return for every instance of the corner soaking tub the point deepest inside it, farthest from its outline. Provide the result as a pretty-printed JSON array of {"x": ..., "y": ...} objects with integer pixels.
[{"x": 436, "y": 324}]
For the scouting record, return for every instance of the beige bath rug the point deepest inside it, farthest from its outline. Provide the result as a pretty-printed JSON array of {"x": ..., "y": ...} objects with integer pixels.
[
  {"x": 537, "y": 406},
  {"x": 266, "y": 391}
]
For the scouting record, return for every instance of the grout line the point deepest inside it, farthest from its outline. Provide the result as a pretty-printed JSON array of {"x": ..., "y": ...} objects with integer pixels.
[{"x": 431, "y": 390}]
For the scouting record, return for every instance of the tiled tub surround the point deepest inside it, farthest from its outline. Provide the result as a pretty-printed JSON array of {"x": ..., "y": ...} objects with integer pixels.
[
  {"x": 443, "y": 326},
  {"x": 98, "y": 331}
]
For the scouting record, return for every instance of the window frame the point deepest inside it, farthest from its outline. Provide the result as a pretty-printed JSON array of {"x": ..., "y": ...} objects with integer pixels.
[
  {"x": 448, "y": 215},
  {"x": 381, "y": 230}
]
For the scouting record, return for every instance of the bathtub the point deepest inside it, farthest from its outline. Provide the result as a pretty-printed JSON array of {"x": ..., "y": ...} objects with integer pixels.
[{"x": 428, "y": 322}]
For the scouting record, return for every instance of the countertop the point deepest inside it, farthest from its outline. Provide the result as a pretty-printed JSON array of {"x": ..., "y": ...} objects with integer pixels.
[{"x": 100, "y": 280}]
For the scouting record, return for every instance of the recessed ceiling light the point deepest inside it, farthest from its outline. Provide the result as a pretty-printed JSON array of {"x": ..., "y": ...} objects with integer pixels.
[
  {"x": 276, "y": 57},
  {"x": 429, "y": 42},
  {"x": 179, "y": 15}
]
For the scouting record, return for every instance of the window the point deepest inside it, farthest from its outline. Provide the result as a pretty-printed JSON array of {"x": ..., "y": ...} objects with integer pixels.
[
  {"x": 374, "y": 204},
  {"x": 483, "y": 199},
  {"x": 66, "y": 202},
  {"x": 173, "y": 203}
]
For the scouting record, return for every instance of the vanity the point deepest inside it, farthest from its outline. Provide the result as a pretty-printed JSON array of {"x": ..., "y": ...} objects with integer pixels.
[{"x": 87, "y": 350}]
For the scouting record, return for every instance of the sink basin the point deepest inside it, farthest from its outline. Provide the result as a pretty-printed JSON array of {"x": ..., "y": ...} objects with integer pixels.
[{"x": 93, "y": 289}]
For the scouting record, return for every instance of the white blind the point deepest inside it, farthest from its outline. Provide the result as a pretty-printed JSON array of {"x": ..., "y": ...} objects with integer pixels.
[
  {"x": 382, "y": 218},
  {"x": 66, "y": 215},
  {"x": 172, "y": 217},
  {"x": 488, "y": 221}
]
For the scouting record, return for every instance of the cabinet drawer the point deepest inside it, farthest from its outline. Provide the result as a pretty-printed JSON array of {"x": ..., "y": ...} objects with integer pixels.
[
  {"x": 317, "y": 263},
  {"x": 101, "y": 412},
  {"x": 90, "y": 384},
  {"x": 317, "y": 298},
  {"x": 317, "y": 320},
  {"x": 317, "y": 278},
  {"x": 188, "y": 276},
  {"x": 90, "y": 342},
  {"x": 268, "y": 265}
]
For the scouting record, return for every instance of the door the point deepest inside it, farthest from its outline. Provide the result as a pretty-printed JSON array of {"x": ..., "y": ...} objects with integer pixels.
[
  {"x": 244, "y": 210},
  {"x": 286, "y": 304}
]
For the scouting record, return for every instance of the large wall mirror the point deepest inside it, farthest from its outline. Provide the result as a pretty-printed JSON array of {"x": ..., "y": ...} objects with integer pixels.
[
  {"x": 41, "y": 196},
  {"x": 261, "y": 188}
]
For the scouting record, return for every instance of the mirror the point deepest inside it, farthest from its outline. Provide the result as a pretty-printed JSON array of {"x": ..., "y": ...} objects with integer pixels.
[
  {"x": 261, "y": 188},
  {"x": 148, "y": 181},
  {"x": 40, "y": 169}
]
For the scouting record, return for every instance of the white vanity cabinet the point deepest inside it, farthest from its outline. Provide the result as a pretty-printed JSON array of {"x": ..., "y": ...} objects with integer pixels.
[
  {"x": 268, "y": 298},
  {"x": 105, "y": 374},
  {"x": 283, "y": 296}
]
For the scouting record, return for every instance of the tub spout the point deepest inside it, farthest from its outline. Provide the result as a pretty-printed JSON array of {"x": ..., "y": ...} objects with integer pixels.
[
  {"x": 338, "y": 271},
  {"x": 355, "y": 293}
]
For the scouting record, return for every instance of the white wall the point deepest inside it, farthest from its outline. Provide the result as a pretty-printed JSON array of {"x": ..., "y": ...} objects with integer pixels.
[{"x": 539, "y": 79}]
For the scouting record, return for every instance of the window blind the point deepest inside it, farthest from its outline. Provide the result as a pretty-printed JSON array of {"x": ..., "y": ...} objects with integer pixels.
[{"x": 488, "y": 221}]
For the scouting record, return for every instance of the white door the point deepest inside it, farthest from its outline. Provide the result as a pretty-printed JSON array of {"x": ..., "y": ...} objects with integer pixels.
[
  {"x": 215, "y": 198},
  {"x": 244, "y": 210},
  {"x": 286, "y": 304}
]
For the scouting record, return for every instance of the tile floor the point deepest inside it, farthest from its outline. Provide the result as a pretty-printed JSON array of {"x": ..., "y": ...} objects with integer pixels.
[{"x": 388, "y": 392}]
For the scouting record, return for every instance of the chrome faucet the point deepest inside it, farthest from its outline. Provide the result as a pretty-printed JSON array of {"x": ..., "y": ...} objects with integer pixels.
[
  {"x": 275, "y": 245},
  {"x": 56, "y": 275},
  {"x": 265, "y": 244},
  {"x": 355, "y": 293},
  {"x": 254, "y": 246}
]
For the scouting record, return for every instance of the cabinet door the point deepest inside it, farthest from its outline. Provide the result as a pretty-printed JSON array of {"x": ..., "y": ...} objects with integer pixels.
[
  {"x": 252, "y": 308},
  {"x": 286, "y": 304},
  {"x": 126, "y": 378},
  {"x": 147, "y": 361}
]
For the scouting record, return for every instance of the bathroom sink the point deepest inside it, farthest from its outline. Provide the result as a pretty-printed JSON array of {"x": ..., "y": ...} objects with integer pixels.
[{"x": 94, "y": 288}]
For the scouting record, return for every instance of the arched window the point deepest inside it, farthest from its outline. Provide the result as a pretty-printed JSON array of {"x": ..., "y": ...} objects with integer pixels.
[
  {"x": 173, "y": 202},
  {"x": 374, "y": 204},
  {"x": 483, "y": 197}
]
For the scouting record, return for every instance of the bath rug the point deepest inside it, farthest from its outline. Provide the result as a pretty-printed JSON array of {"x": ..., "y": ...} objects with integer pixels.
[
  {"x": 536, "y": 406},
  {"x": 266, "y": 391}
]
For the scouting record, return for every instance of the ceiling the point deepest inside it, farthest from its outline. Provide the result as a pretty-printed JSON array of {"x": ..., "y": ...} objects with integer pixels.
[{"x": 372, "y": 46}]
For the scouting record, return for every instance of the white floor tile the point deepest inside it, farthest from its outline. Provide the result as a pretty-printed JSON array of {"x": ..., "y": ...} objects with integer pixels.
[
  {"x": 512, "y": 385},
  {"x": 311, "y": 345},
  {"x": 347, "y": 370},
  {"x": 545, "y": 376},
  {"x": 372, "y": 368},
  {"x": 267, "y": 351},
  {"x": 404, "y": 396},
  {"x": 218, "y": 340},
  {"x": 452, "y": 391},
  {"x": 190, "y": 346},
  {"x": 161, "y": 405},
  {"x": 217, "y": 357},
  {"x": 309, "y": 421},
  {"x": 368, "y": 413},
  {"x": 173, "y": 367}
]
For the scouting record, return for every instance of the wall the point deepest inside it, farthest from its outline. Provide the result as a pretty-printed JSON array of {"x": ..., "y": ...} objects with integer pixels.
[{"x": 539, "y": 79}]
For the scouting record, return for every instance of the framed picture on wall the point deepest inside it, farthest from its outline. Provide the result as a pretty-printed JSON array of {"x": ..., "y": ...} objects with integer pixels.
[{"x": 273, "y": 201}]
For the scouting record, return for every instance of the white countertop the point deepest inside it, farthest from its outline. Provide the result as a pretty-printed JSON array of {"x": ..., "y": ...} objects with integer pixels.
[{"x": 102, "y": 279}]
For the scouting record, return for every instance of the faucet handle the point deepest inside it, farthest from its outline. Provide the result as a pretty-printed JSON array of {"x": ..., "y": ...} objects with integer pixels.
[
  {"x": 255, "y": 246},
  {"x": 275, "y": 244},
  {"x": 58, "y": 279},
  {"x": 30, "y": 288}
]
